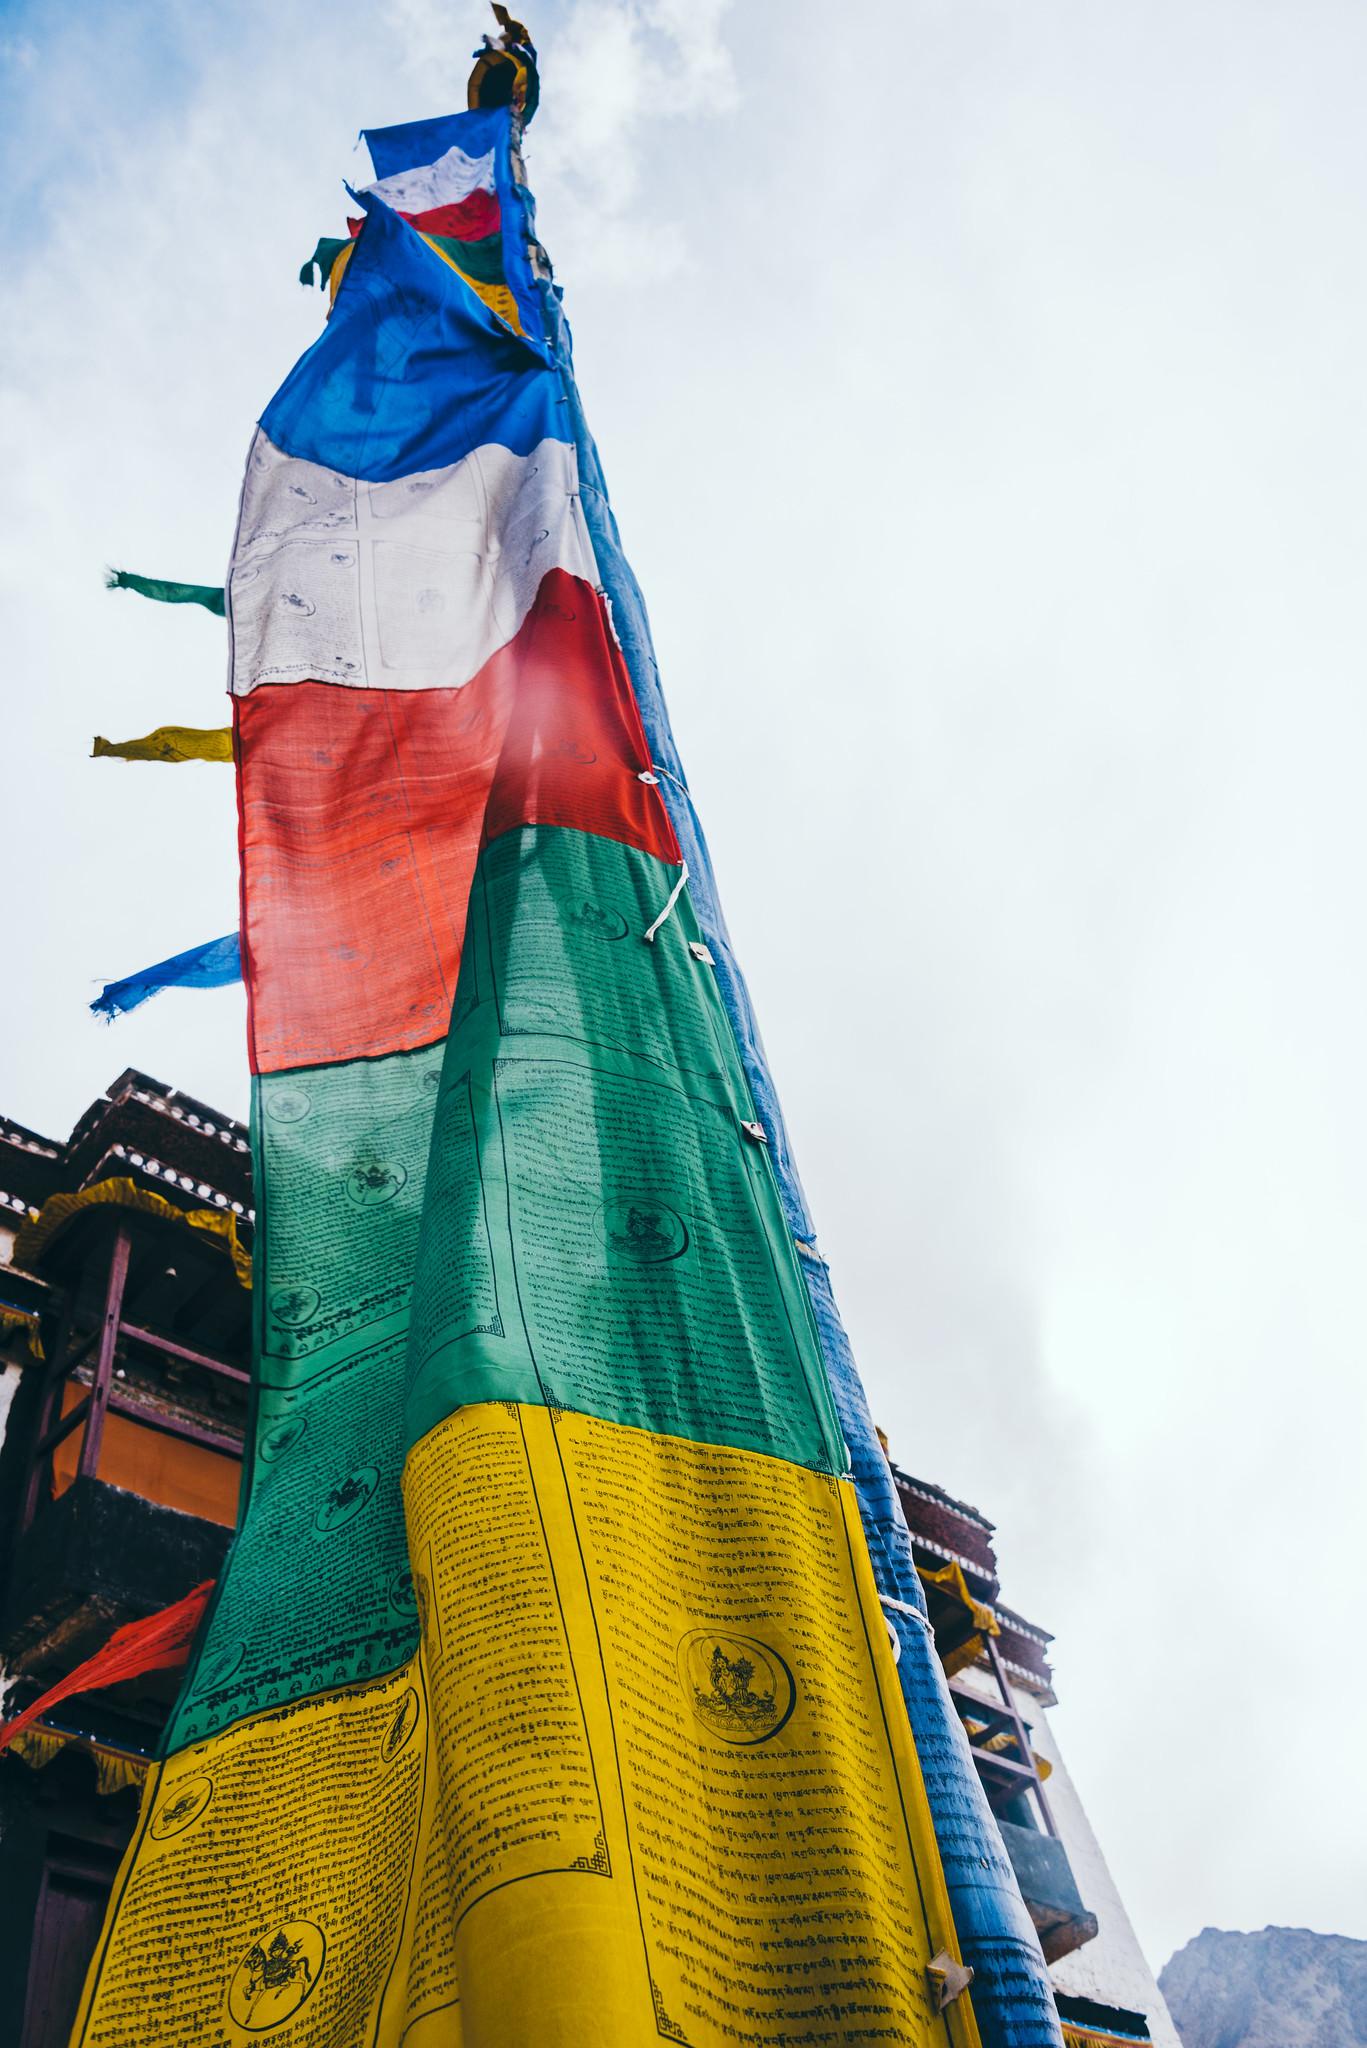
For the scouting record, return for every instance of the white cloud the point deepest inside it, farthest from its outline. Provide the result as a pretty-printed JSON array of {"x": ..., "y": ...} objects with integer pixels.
[
  {"x": 621, "y": 75},
  {"x": 617, "y": 72}
]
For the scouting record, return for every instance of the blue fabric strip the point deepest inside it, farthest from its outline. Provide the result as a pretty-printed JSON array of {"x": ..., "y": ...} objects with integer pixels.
[
  {"x": 212, "y": 965},
  {"x": 412, "y": 143},
  {"x": 1012, "y": 1995},
  {"x": 412, "y": 371},
  {"x": 408, "y": 144}
]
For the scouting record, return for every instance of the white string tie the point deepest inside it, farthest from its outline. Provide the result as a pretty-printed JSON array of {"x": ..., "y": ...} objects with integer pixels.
[
  {"x": 903, "y": 1608},
  {"x": 674, "y": 895}
]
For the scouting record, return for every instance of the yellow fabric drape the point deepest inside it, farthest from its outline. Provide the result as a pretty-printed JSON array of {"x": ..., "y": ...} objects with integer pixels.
[
  {"x": 950, "y": 1578},
  {"x": 21, "y": 1319},
  {"x": 338, "y": 272},
  {"x": 959, "y": 1660},
  {"x": 114, "y": 1768},
  {"x": 58, "y": 1210},
  {"x": 170, "y": 743},
  {"x": 490, "y": 61},
  {"x": 496, "y": 297}
]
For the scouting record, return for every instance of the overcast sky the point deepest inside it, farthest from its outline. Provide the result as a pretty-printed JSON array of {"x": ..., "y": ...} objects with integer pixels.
[{"x": 980, "y": 389}]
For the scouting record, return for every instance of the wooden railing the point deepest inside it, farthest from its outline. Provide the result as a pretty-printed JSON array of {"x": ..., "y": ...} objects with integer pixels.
[{"x": 102, "y": 1396}]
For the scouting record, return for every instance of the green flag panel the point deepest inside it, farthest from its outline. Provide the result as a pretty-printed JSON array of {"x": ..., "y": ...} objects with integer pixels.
[
  {"x": 322, "y": 1491},
  {"x": 554, "y": 941},
  {"x": 482, "y": 260},
  {"x": 601, "y": 1233},
  {"x": 341, "y": 1165},
  {"x": 340, "y": 1162}
]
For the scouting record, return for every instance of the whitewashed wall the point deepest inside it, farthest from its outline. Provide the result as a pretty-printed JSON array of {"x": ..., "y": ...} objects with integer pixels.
[{"x": 1112, "y": 1967}]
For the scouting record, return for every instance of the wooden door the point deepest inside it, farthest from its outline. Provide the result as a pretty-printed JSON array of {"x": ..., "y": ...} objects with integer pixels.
[{"x": 77, "y": 1880}]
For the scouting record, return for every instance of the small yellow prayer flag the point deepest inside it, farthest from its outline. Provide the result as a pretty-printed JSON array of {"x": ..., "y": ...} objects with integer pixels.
[{"x": 171, "y": 743}]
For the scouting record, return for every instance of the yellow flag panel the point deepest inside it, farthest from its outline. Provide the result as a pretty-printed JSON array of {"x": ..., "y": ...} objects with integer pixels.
[
  {"x": 710, "y": 1826},
  {"x": 265, "y": 1892},
  {"x": 652, "y": 1750}
]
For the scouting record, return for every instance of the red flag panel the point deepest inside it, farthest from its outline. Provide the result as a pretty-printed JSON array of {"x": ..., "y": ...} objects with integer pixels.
[
  {"x": 363, "y": 812},
  {"x": 575, "y": 749},
  {"x": 468, "y": 220},
  {"x": 159, "y": 1642}
]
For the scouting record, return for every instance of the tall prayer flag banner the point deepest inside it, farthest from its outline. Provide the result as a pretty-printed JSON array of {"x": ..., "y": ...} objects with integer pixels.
[{"x": 556, "y": 1686}]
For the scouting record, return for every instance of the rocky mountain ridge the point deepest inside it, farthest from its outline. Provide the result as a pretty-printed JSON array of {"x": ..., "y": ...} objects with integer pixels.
[{"x": 1283, "y": 1988}]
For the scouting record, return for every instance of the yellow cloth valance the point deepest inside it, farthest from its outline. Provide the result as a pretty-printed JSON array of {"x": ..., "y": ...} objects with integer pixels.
[
  {"x": 59, "y": 1210},
  {"x": 950, "y": 1578},
  {"x": 22, "y": 1319},
  {"x": 114, "y": 1768}
]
